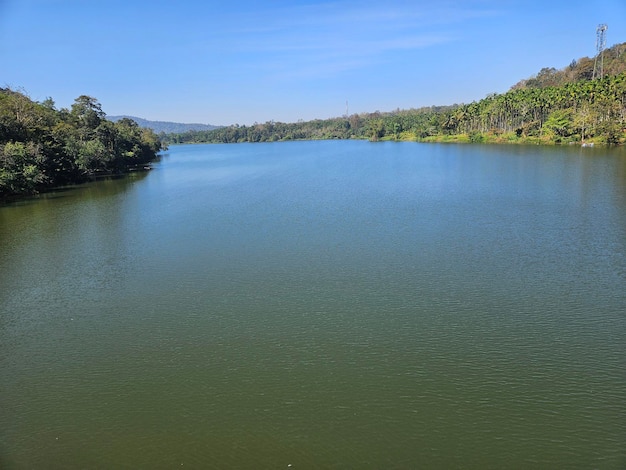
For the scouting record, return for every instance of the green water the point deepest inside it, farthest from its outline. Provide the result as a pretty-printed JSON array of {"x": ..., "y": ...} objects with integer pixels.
[{"x": 321, "y": 305}]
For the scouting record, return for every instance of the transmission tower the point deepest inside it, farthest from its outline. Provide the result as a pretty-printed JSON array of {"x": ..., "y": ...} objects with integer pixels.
[{"x": 598, "y": 66}]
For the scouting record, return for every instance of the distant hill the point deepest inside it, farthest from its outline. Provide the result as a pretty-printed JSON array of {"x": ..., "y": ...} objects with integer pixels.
[{"x": 164, "y": 126}]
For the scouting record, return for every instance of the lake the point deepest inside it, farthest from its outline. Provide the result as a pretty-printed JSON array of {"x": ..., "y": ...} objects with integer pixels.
[{"x": 332, "y": 304}]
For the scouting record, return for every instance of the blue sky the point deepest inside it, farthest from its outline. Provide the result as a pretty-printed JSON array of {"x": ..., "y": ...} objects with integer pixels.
[{"x": 248, "y": 61}]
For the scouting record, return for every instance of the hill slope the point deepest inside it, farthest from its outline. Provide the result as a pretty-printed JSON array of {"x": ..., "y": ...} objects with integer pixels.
[{"x": 614, "y": 63}]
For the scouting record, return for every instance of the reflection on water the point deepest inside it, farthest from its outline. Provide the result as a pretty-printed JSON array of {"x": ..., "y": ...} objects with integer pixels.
[{"x": 321, "y": 305}]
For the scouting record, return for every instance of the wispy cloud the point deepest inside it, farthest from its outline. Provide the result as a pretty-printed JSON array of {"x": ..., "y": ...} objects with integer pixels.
[{"x": 323, "y": 39}]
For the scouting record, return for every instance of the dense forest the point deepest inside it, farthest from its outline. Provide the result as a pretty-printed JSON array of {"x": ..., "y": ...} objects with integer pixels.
[
  {"x": 42, "y": 147},
  {"x": 574, "y": 104}
]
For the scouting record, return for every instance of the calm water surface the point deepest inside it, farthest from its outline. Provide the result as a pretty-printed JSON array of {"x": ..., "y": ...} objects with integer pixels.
[{"x": 321, "y": 305}]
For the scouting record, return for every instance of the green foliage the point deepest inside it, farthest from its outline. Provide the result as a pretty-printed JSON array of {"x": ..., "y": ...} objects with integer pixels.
[
  {"x": 42, "y": 147},
  {"x": 87, "y": 113},
  {"x": 376, "y": 129},
  {"x": 560, "y": 122},
  {"x": 20, "y": 167}
]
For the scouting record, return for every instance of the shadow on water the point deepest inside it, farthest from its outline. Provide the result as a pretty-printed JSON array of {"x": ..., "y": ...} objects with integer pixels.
[
  {"x": 51, "y": 209},
  {"x": 102, "y": 186}
]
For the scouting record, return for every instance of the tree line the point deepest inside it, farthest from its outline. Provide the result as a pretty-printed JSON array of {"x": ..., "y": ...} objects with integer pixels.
[
  {"x": 42, "y": 147},
  {"x": 554, "y": 106},
  {"x": 585, "y": 111}
]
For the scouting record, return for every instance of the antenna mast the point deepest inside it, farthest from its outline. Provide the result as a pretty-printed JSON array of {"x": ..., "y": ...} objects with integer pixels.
[{"x": 598, "y": 66}]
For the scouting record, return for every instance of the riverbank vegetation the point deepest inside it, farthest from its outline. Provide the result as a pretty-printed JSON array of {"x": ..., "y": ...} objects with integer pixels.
[
  {"x": 571, "y": 105},
  {"x": 42, "y": 147}
]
